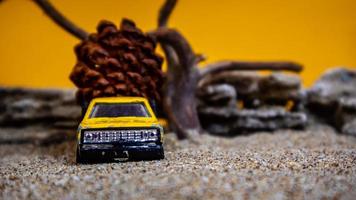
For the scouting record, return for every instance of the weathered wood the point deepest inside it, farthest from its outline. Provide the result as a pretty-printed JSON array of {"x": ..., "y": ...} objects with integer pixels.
[
  {"x": 182, "y": 75},
  {"x": 61, "y": 20},
  {"x": 182, "y": 79},
  {"x": 221, "y": 66}
]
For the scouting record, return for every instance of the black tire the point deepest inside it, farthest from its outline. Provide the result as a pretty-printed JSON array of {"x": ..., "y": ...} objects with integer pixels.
[
  {"x": 161, "y": 154},
  {"x": 79, "y": 159}
]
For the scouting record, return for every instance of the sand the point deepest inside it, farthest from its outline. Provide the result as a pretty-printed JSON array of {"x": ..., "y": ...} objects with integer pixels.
[{"x": 312, "y": 164}]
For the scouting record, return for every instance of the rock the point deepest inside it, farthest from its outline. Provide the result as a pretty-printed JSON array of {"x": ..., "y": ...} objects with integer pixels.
[
  {"x": 346, "y": 111},
  {"x": 244, "y": 82},
  {"x": 277, "y": 88},
  {"x": 335, "y": 84},
  {"x": 38, "y": 116},
  {"x": 37, "y": 135},
  {"x": 229, "y": 122},
  {"x": 349, "y": 128},
  {"x": 280, "y": 80},
  {"x": 345, "y": 116},
  {"x": 35, "y": 106},
  {"x": 217, "y": 95},
  {"x": 333, "y": 98},
  {"x": 263, "y": 97}
]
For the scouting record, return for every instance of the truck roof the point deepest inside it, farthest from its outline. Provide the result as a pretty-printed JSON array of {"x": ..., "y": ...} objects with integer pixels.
[{"x": 119, "y": 99}]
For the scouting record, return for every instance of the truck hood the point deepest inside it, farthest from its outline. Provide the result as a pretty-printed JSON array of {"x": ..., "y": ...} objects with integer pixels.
[{"x": 119, "y": 122}]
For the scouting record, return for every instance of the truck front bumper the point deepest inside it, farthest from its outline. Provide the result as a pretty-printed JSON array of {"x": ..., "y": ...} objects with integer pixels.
[{"x": 120, "y": 152}]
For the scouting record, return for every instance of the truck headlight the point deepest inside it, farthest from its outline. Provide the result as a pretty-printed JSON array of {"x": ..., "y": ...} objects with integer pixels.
[
  {"x": 104, "y": 136},
  {"x": 153, "y": 135}
]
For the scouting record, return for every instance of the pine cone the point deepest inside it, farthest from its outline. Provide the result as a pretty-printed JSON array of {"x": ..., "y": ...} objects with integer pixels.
[{"x": 116, "y": 62}]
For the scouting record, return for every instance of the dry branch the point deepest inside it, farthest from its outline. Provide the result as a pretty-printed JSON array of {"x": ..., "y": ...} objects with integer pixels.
[
  {"x": 183, "y": 74},
  {"x": 165, "y": 12},
  {"x": 60, "y": 20},
  {"x": 237, "y": 65},
  {"x": 182, "y": 79},
  {"x": 180, "y": 45}
]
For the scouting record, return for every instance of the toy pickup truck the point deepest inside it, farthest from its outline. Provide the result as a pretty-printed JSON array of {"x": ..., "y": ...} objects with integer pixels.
[{"x": 119, "y": 129}]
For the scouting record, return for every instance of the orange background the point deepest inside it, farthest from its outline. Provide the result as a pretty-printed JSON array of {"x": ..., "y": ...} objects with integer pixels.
[{"x": 319, "y": 34}]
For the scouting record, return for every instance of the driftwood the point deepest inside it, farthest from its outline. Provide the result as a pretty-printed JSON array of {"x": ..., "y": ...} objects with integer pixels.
[
  {"x": 182, "y": 75},
  {"x": 182, "y": 80},
  {"x": 61, "y": 20}
]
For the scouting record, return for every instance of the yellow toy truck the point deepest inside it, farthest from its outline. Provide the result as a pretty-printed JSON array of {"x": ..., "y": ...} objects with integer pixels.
[{"x": 119, "y": 129}]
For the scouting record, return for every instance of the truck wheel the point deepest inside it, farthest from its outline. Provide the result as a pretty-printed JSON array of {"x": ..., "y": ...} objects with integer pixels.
[
  {"x": 79, "y": 159},
  {"x": 161, "y": 155}
]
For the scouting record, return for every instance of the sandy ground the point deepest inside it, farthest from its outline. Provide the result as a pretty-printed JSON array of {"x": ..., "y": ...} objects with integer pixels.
[{"x": 312, "y": 164}]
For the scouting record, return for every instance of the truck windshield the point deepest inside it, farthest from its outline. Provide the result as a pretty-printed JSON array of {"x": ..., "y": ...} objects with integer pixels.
[{"x": 119, "y": 110}]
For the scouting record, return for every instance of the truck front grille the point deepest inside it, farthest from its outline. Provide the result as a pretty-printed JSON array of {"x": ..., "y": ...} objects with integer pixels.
[{"x": 108, "y": 136}]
